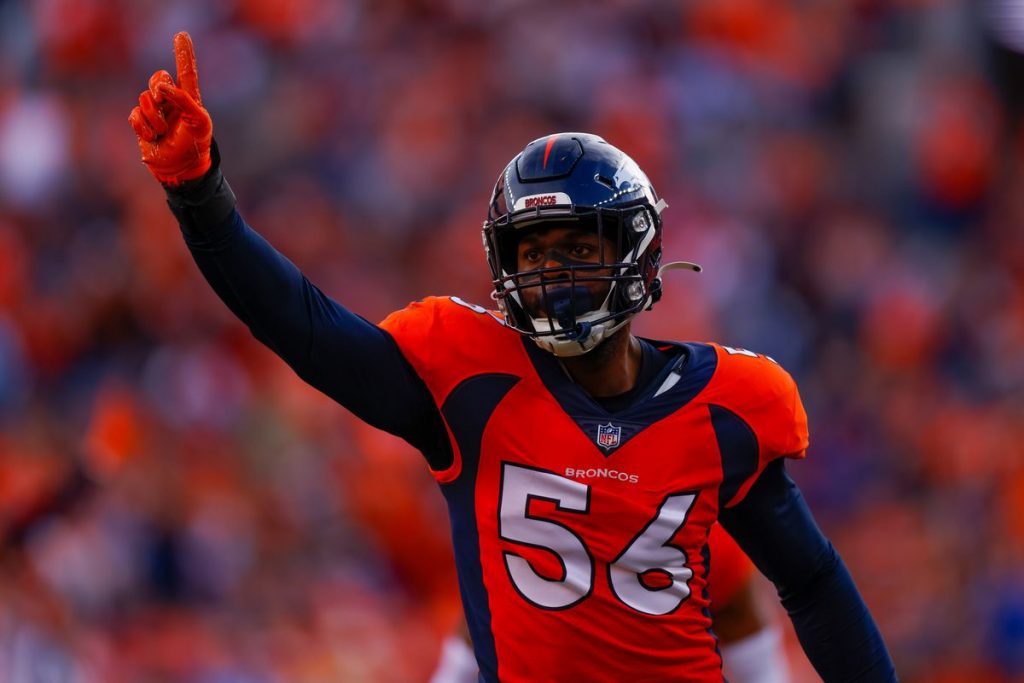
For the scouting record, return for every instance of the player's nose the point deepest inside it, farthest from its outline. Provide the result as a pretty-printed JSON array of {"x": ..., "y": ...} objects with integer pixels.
[{"x": 556, "y": 264}]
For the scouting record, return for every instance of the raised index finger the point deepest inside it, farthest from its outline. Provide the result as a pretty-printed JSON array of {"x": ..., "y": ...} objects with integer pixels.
[{"x": 185, "y": 58}]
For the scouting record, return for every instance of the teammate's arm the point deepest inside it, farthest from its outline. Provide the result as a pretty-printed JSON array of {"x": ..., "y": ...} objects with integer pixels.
[
  {"x": 352, "y": 361},
  {"x": 774, "y": 526},
  {"x": 750, "y": 643}
]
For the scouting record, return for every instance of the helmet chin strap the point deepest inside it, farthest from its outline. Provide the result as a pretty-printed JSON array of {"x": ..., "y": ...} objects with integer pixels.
[
  {"x": 679, "y": 265},
  {"x": 583, "y": 343},
  {"x": 584, "y": 338}
]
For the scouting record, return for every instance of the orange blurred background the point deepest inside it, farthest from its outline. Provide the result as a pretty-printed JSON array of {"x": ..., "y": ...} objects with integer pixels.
[{"x": 849, "y": 173}]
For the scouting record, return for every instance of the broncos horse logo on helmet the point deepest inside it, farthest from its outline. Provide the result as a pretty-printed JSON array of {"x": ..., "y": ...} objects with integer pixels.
[{"x": 575, "y": 179}]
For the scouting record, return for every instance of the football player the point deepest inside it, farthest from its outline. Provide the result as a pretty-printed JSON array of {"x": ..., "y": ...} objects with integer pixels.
[{"x": 582, "y": 466}]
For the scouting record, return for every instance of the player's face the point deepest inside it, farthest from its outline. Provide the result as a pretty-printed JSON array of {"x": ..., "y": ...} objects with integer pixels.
[{"x": 556, "y": 247}]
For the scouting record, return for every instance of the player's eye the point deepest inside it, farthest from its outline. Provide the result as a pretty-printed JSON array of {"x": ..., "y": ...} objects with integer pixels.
[
  {"x": 582, "y": 251},
  {"x": 532, "y": 255}
]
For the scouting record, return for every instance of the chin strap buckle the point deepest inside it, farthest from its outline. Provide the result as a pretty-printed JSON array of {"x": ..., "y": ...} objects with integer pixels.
[{"x": 579, "y": 333}]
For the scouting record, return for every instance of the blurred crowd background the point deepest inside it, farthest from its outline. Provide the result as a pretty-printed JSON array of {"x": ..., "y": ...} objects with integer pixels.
[{"x": 176, "y": 506}]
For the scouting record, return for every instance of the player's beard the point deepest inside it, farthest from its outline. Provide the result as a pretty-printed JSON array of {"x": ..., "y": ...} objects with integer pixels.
[
  {"x": 599, "y": 361},
  {"x": 606, "y": 350}
]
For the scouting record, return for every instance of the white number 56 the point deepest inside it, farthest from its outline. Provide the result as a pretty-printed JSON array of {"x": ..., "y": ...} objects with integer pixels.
[{"x": 650, "y": 575}]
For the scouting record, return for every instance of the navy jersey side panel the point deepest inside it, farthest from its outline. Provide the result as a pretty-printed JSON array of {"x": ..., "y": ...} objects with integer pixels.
[
  {"x": 467, "y": 410},
  {"x": 738, "y": 446}
]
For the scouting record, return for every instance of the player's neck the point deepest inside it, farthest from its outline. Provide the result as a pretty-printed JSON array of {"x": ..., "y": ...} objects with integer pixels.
[{"x": 610, "y": 369}]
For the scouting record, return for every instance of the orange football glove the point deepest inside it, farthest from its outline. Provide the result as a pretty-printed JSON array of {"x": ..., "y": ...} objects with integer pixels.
[{"x": 174, "y": 130}]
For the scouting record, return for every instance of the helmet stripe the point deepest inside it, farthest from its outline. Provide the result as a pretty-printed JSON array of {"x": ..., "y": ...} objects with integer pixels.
[{"x": 547, "y": 150}]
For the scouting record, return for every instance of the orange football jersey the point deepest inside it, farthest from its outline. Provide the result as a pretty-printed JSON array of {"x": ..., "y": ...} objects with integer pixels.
[{"x": 581, "y": 536}]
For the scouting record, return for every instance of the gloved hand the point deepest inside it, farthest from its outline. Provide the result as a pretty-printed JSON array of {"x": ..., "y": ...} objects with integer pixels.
[{"x": 174, "y": 130}]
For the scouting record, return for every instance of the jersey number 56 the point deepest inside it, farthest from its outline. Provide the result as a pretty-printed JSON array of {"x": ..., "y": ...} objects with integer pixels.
[{"x": 649, "y": 575}]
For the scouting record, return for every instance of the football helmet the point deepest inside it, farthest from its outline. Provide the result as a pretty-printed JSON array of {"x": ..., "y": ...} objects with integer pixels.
[{"x": 575, "y": 179}]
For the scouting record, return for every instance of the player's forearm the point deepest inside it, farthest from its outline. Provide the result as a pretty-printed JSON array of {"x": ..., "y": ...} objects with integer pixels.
[
  {"x": 776, "y": 529},
  {"x": 835, "y": 627}
]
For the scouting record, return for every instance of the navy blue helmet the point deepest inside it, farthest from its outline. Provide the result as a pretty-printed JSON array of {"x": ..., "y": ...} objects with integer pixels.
[{"x": 575, "y": 179}]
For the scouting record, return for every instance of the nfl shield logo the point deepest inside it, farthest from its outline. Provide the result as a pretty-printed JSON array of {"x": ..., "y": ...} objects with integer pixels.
[{"x": 608, "y": 435}]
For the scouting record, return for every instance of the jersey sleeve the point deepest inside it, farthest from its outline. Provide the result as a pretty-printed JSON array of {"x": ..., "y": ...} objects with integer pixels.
[
  {"x": 779, "y": 416},
  {"x": 447, "y": 340},
  {"x": 422, "y": 332},
  {"x": 758, "y": 417},
  {"x": 417, "y": 330}
]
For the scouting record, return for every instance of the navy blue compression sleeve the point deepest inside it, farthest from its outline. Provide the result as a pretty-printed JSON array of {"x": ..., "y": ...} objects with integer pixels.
[
  {"x": 774, "y": 526},
  {"x": 354, "y": 362}
]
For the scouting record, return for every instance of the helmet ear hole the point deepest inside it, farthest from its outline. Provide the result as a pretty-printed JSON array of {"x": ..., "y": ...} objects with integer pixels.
[{"x": 656, "y": 292}]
